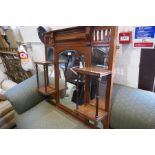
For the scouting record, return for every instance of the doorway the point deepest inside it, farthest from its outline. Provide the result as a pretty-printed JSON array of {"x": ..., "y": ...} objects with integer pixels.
[{"x": 147, "y": 70}]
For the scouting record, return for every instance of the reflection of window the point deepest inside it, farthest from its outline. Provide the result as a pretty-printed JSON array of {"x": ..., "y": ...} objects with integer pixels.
[
  {"x": 100, "y": 56},
  {"x": 50, "y": 55}
]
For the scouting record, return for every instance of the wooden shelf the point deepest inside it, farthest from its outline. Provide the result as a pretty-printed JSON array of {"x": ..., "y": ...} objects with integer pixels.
[
  {"x": 101, "y": 103},
  {"x": 44, "y": 62},
  {"x": 49, "y": 62},
  {"x": 89, "y": 111},
  {"x": 94, "y": 71},
  {"x": 50, "y": 90}
]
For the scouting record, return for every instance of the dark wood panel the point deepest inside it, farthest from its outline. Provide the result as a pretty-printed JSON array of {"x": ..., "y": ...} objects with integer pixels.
[
  {"x": 147, "y": 69},
  {"x": 84, "y": 39}
]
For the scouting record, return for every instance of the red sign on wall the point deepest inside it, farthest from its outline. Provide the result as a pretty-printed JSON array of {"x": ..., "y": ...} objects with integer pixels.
[
  {"x": 143, "y": 44},
  {"x": 125, "y": 37}
]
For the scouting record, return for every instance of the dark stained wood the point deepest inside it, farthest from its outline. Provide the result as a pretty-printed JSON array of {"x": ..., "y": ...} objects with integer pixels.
[
  {"x": 93, "y": 112},
  {"x": 49, "y": 62},
  {"x": 77, "y": 93},
  {"x": 101, "y": 103},
  {"x": 36, "y": 65},
  {"x": 147, "y": 70},
  {"x": 49, "y": 90},
  {"x": 97, "y": 97},
  {"x": 94, "y": 71},
  {"x": 46, "y": 90},
  {"x": 89, "y": 112},
  {"x": 111, "y": 63},
  {"x": 83, "y": 39}
]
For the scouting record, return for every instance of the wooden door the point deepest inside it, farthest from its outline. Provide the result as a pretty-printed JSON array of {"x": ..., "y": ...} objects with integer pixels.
[{"x": 147, "y": 70}]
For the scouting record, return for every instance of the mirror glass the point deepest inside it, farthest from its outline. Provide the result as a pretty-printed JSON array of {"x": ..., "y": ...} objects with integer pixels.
[
  {"x": 100, "y": 56},
  {"x": 69, "y": 60}
]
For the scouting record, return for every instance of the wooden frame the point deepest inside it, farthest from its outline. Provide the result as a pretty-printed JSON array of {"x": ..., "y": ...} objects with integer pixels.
[{"x": 83, "y": 39}]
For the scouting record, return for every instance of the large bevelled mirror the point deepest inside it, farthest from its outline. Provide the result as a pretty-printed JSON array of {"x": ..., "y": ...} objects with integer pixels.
[{"x": 69, "y": 60}]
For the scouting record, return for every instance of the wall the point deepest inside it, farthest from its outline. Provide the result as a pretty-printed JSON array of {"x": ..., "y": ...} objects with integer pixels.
[
  {"x": 127, "y": 63},
  {"x": 127, "y": 58},
  {"x": 30, "y": 35}
]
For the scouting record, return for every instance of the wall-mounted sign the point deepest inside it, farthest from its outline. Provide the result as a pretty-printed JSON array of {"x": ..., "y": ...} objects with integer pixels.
[
  {"x": 26, "y": 62},
  {"x": 144, "y": 37},
  {"x": 125, "y": 37}
]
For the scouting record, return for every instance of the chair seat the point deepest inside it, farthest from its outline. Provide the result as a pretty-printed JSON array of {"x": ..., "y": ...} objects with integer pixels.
[{"x": 46, "y": 116}]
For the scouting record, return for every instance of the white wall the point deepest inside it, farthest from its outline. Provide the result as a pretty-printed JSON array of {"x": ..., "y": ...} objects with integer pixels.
[
  {"x": 127, "y": 58},
  {"x": 127, "y": 63},
  {"x": 30, "y": 35}
]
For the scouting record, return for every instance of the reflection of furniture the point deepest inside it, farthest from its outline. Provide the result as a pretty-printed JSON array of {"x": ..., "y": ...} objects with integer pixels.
[
  {"x": 84, "y": 39},
  {"x": 7, "y": 118}
]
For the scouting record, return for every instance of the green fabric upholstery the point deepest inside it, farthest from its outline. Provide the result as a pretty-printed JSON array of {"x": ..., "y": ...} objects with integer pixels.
[
  {"x": 24, "y": 95},
  {"x": 47, "y": 116},
  {"x": 132, "y": 108}
]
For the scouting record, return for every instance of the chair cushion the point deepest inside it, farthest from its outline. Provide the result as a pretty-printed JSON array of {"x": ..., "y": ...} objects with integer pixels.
[
  {"x": 132, "y": 108},
  {"x": 25, "y": 95}
]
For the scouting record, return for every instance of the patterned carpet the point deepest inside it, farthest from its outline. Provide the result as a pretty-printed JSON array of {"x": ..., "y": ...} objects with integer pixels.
[{"x": 46, "y": 116}]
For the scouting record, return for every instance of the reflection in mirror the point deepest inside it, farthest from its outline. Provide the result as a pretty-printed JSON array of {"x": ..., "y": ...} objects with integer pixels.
[
  {"x": 50, "y": 57},
  {"x": 50, "y": 54},
  {"x": 68, "y": 77},
  {"x": 100, "y": 56}
]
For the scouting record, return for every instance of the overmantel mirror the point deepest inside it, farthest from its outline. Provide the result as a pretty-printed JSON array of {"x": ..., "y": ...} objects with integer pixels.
[{"x": 82, "y": 60}]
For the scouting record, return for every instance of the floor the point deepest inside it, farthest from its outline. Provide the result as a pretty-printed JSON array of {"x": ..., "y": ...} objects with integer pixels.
[{"x": 46, "y": 116}]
